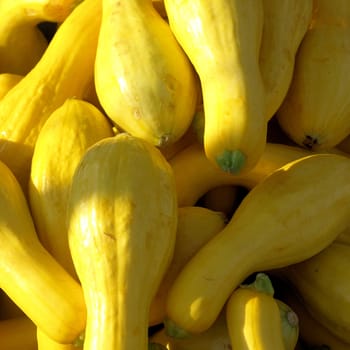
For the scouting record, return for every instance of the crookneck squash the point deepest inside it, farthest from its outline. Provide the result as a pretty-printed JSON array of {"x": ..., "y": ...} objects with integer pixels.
[
  {"x": 122, "y": 230},
  {"x": 283, "y": 220},
  {"x": 222, "y": 39}
]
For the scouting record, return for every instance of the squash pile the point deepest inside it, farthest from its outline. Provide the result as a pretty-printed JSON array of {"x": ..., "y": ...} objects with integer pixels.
[{"x": 174, "y": 174}]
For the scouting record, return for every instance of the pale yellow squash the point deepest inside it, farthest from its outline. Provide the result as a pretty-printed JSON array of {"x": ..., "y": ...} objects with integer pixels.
[
  {"x": 63, "y": 140},
  {"x": 122, "y": 231},
  {"x": 144, "y": 80}
]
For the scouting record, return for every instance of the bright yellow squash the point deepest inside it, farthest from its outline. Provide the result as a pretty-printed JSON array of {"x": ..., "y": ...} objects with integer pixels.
[
  {"x": 285, "y": 24},
  {"x": 283, "y": 220},
  {"x": 315, "y": 112},
  {"x": 323, "y": 283},
  {"x": 29, "y": 275},
  {"x": 63, "y": 140},
  {"x": 65, "y": 70},
  {"x": 144, "y": 80},
  {"x": 122, "y": 231},
  {"x": 196, "y": 225},
  {"x": 191, "y": 187},
  {"x": 44, "y": 342},
  {"x": 254, "y": 320},
  {"x": 21, "y": 42},
  {"x": 222, "y": 39}
]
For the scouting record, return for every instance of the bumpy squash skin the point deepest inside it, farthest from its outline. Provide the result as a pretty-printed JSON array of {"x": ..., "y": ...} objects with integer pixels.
[
  {"x": 323, "y": 283},
  {"x": 122, "y": 230},
  {"x": 294, "y": 223},
  {"x": 29, "y": 275},
  {"x": 64, "y": 138},
  {"x": 196, "y": 225},
  {"x": 315, "y": 112},
  {"x": 190, "y": 186},
  {"x": 222, "y": 40},
  {"x": 65, "y": 70},
  {"x": 156, "y": 99},
  {"x": 285, "y": 24}
]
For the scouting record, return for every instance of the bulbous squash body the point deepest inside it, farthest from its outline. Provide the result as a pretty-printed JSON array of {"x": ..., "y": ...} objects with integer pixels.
[
  {"x": 294, "y": 224},
  {"x": 29, "y": 275},
  {"x": 65, "y": 70},
  {"x": 315, "y": 112},
  {"x": 64, "y": 138},
  {"x": 122, "y": 230},
  {"x": 254, "y": 319},
  {"x": 144, "y": 80},
  {"x": 222, "y": 40}
]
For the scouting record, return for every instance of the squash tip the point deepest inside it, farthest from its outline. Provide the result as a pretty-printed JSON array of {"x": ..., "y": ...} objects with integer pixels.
[{"x": 231, "y": 161}]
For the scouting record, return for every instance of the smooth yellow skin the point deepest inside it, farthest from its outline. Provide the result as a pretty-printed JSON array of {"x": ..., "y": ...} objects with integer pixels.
[
  {"x": 285, "y": 24},
  {"x": 65, "y": 70},
  {"x": 63, "y": 140},
  {"x": 122, "y": 231},
  {"x": 315, "y": 111},
  {"x": 196, "y": 225},
  {"x": 222, "y": 39},
  {"x": 253, "y": 321},
  {"x": 46, "y": 293},
  {"x": 144, "y": 80},
  {"x": 21, "y": 43},
  {"x": 202, "y": 176},
  {"x": 18, "y": 333},
  {"x": 322, "y": 282},
  {"x": 281, "y": 221}
]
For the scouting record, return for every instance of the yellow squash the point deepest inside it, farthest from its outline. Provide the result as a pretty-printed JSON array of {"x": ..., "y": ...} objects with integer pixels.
[
  {"x": 254, "y": 319},
  {"x": 44, "y": 342},
  {"x": 18, "y": 333},
  {"x": 222, "y": 39},
  {"x": 21, "y": 42},
  {"x": 196, "y": 225},
  {"x": 29, "y": 275},
  {"x": 144, "y": 81},
  {"x": 283, "y": 220},
  {"x": 65, "y": 70},
  {"x": 122, "y": 231},
  {"x": 63, "y": 140},
  {"x": 285, "y": 24},
  {"x": 323, "y": 283},
  {"x": 311, "y": 331},
  {"x": 315, "y": 112},
  {"x": 191, "y": 186}
]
